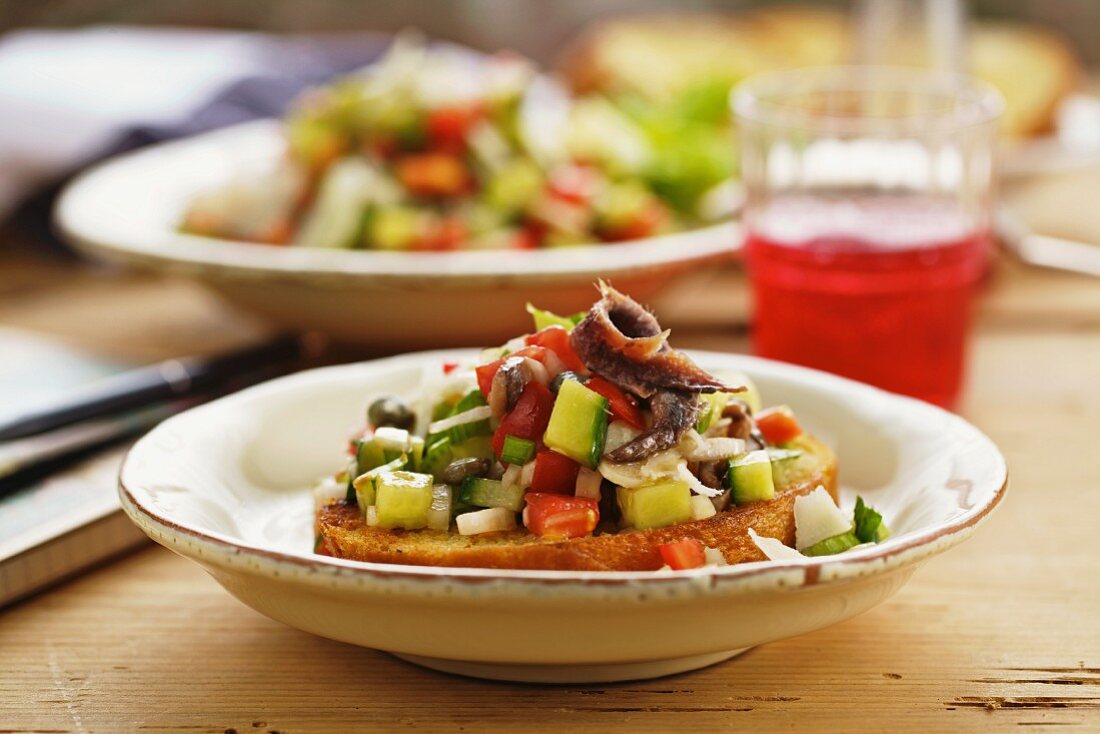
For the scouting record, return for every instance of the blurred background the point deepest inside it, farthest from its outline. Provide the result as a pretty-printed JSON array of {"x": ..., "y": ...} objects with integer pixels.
[{"x": 536, "y": 28}]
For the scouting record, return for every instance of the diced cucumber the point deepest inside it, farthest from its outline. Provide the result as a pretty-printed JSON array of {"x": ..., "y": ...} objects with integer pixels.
[
  {"x": 478, "y": 447},
  {"x": 350, "y": 474},
  {"x": 362, "y": 487},
  {"x": 514, "y": 187},
  {"x": 548, "y": 318},
  {"x": 656, "y": 505},
  {"x": 439, "y": 513},
  {"x": 713, "y": 404},
  {"x": 491, "y": 493},
  {"x": 833, "y": 545},
  {"x": 416, "y": 453},
  {"x": 472, "y": 399},
  {"x": 368, "y": 454},
  {"x": 750, "y": 477},
  {"x": 578, "y": 424},
  {"x": 403, "y": 499},
  {"x": 517, "y": 450},
  {"x": 394, "y": 228},
  {"x": 437, "y": 456}
]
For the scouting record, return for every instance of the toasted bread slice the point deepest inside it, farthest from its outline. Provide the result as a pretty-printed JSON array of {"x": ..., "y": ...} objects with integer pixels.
[
  {"x": 661, "y": 55},
  {"x": 1034, "y": 68},
  {"x": 344, "y": 534}
]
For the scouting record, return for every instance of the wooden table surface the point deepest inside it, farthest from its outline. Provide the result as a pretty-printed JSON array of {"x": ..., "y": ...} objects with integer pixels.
[{"x": 1003, "y": 631}]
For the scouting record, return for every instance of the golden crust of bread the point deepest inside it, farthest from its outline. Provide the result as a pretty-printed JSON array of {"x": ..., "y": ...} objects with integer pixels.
[
  {"x": 658, "y": 55},
  {"x": 343, "y": 533}
]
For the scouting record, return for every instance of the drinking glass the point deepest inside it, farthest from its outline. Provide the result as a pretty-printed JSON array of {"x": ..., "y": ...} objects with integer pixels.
[{"x": 869, "y": 194}]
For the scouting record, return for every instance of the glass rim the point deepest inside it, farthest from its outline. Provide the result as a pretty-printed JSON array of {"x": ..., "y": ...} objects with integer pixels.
[{"x": 757, "y": 99}]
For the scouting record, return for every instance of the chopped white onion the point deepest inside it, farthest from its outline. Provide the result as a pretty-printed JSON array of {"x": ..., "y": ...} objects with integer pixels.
[
  {"x": 588, "y": 483},
  {"x": 714, "y": 557},
  {"x": 372, "y": 516},
  {"x": 439, "y": 513},
  {"x": 395, "y": 439},
  {"x": 512, "y": 475},
  {"x": 486, "y": 521},
  {"x": 696, "y": 486},
  {"x": 327, "y": 492},
  {"x": 472, "y": 415},
  {"x": 619, "y": 434},
  {"x": 774, "y": 549},
  {"x": 816, "y": 517},
  {"x": 702, "y": 507},
  {"x": 694, "y": 447},
  {"x": 527, "y": 475},
  {"x": 661, "y": 465},
  {"x": 718, "y": 428}
]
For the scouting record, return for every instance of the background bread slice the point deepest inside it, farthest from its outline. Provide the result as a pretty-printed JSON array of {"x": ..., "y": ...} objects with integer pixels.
[
  {"x": 661, "y": 55},
  {"x": 1032, "y": 67},
  {"x": 344, "y": 534}
]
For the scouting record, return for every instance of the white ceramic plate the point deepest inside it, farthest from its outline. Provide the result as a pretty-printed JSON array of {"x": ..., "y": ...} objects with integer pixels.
[
  {"x": 128, "y": 209},
  {"x": 227, "y": 485}
]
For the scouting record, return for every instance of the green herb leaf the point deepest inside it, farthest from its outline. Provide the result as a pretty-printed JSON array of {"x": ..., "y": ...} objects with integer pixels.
[{"x": 868, "y": 523}]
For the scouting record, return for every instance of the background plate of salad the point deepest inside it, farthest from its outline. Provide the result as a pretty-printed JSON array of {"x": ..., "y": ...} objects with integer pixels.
[{"x": 439, "y": 187}]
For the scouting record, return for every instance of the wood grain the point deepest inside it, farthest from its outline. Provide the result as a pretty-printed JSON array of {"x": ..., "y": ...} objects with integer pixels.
[{"x": 1000, "y": 633}]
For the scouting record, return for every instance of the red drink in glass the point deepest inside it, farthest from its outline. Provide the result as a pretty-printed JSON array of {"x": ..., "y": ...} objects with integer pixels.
[
  {"x": 867, "y": 216},
  {"x": 875, "y": 288}
]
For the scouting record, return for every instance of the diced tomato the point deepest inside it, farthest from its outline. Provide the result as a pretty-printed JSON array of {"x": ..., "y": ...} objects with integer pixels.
[
  {"x": 486, "y": 372},
  {"x": 446, "y": 234},
  {"x": 554, "y": 473},
  {"x": 573, "y": 184},
  {"x": 623, "y": 407},
  {"x": 778, "y": 424},
  {"x": 449, "y": 367},
  {"x": 528, "y": 419},
  {"x": 686, "y": 553},
  {"x": 448, "y": 127},
  {"x": 644, "y": 224},
  {"x": 384, "y": 147},
  {"x": 278, "y": 232},
  {"x": 526, "y": 238},
  {"x": 432, "y": 174},
  {"x": 560, "y": 516},
  {"x": 556, "y": 339}
]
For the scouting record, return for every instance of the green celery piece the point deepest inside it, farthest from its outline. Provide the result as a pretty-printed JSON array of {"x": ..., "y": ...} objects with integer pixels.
[
  {"x": 548, "y": 318},
  {"x": 517, "y": 450},
  {"x": 832, "y": 546}
]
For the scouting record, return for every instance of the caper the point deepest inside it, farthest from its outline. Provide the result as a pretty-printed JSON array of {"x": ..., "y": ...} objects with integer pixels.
[
  {"x": 391, "y": 411},
  {"x": 459, "y": 469},
  {"x": 561, "y": 377}
]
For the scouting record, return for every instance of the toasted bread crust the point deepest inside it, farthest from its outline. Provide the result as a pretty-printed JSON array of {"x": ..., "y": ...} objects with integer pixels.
[{"x": 343, "y": 533}]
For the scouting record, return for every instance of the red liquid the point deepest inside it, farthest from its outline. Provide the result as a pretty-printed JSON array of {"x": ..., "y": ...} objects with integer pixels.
[{"x": 877, "y": 289}]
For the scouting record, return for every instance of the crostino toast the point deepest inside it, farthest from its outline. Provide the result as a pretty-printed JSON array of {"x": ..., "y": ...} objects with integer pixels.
[{"x": 342, "y": 532}]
